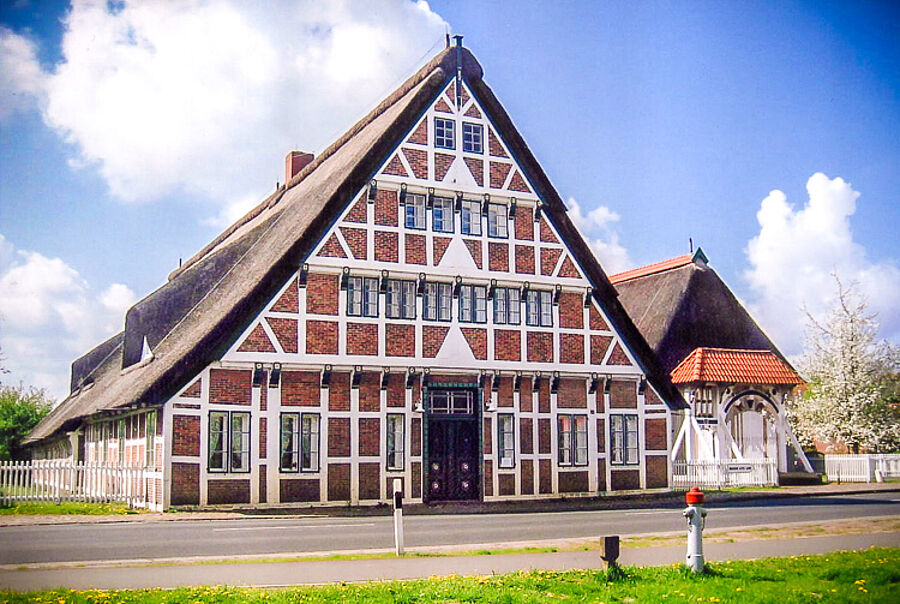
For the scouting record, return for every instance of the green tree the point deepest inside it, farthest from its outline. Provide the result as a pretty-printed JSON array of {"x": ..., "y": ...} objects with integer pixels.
[{"x": 20, "y": 411}]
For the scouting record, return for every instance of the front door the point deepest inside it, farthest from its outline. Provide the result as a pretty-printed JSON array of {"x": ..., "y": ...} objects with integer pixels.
[{"x": 453, "y": 458}]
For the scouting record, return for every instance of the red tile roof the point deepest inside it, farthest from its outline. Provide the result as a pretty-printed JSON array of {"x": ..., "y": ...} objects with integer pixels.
[
  {"x": 730, "y": 365},
  {"x": 652, "y": 269}
]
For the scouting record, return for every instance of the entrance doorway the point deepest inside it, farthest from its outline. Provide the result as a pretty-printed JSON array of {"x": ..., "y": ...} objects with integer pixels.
[{"x": 452, "y": 445}]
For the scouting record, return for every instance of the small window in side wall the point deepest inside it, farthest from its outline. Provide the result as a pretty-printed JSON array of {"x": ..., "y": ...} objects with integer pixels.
[
  {"x": 444, "y": 133},
  {"x": 436, "y": 302},
  {"x": 151, "y": 440},
  {"x": 395, "y": 441},
  {"x": 362, "y": 297},
  {"x": 470, "y": 218},
  {"x": 442, "y": 215},
  {"x": 240, "y": 442},
  {"x": 473, "y": 135},
  {"x": 309, "y": 442},
  {"x": 572, "y": 440},
  {"x": 506, "y": 440},
  {"x": 415, "y": 211},
  {"x": 498, "y": 223},
  {"x": 218, "y": 421},
  {"x": 229, "y": 441},
  {"x": 623, "y": 435}
]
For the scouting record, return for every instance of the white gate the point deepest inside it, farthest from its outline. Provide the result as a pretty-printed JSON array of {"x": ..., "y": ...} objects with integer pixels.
[{"x": 721, "y": 473}]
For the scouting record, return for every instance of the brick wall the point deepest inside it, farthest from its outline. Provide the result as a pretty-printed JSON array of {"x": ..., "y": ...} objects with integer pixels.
[
  {"x": 227, "y": 491},
  {"x": 505, "y": 391},
  {"x": 507, "y": 345},
  {"x": 438, "y": 247},
  {"x": 338, "y": 482},
  {"x": 193, "y": 391},
  {"x": 573, "y": 482},
  {"x": 415, "y": 249},
  {"x": 623, "y": 395},
  {"x": 477, "y": 340},
  {"x": 524, "y": 225},
  {"x": 387, "y": 246},
  {"x": 322, "y": 294},
  {"x": 338, "y": 436},
  {"x": 286, "y": 333},
  {"x": 655, "y": 434},
  {"x": 657, "y": 471},
  {"x": 618, "y": 356},
  {"x": 525, "y": 259},
  {"x": 442, "y": 163},
  {"x": 547, "y": 233},
  {"x": 362, "y": 338},
  {"x": 476, "y": 167},
  {"x": 369, "y": 436},
  {"x": 300, "y": 388},
  {"x": 432, "y": 339},
  {"x": 549, "y": 258},
  {"x": 321, "y": 337},
  {"x": 625, "y": 480},
  {"x": 545, "y": 476},
  {"x": 185, "y": 483},
  {"x": 288, "y": 302},
  {"x": 544, "y": 445},
  {"x": 386, "y": 205},
  {"x": 526, "y": 478},
  {"x": 540, "y": 347},
  {"x": 599, "y": 345},
  {"x": 299, "y": 489},
  {"x": 506, "y": 484},
  {"x": 370, "y": 481},
  {"x": 339, "y": 392},
  {"x": 370, "y": 392},
  {"x": 571, "y": 348},
  {"x": 498, "y": 171},
  {"x": 572, "y": 394},
  {"x": 498, "y": 256},
  {"x": 359, "y": 212},
  {"x": 571, "y": 310},
  {"x": 185, "y": 435},
  {"x": 596, "y": 321},
  {"x": 356, "y": 241},
  {"x": 526, "y": 435},
  {"x": 400, "y": 340},
  {"x": 229, "y": 386},
  {"x": 418, "y": 161},
  {"x": 488, "y": 478},
  {"x": 257, "y": 341}
]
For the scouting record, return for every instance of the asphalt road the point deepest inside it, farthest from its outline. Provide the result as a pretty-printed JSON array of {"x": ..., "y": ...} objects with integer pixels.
[{"x": 258, "y": 536}]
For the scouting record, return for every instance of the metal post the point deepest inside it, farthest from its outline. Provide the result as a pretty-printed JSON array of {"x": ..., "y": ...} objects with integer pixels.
[
  {"x": 696, "y": 519},
  {"x": 398, "y": 516}
]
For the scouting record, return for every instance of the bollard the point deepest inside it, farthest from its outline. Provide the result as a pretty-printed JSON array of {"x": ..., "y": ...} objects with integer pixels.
[
  {"x": 696, "y": 519},
  {"x": 609, "y": 552},
  {"x": 398, "y": 516}
]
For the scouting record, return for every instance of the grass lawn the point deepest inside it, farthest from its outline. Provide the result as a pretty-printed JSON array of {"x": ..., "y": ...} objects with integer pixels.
[
  {"x": 93, "y": 509},
  {"x": 867, "y": 576}
]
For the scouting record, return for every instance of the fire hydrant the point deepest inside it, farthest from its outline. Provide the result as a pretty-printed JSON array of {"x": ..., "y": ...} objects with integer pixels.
[{"x": 696, "y": 519}]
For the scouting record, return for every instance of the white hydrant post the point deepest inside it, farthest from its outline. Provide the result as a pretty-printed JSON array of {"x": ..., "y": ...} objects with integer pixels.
[
  {"x": 696, "y": 519},
  {"x": 398, "y": 516}
]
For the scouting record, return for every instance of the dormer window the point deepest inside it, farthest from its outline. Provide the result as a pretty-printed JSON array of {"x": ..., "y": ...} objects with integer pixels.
[
  {"x": 473, "y": 135},
  {"x": 444, "y": 133}
]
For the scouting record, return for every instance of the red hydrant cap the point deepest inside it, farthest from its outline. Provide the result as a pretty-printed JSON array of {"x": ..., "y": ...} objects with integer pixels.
[{"x": 694, "y": 496}]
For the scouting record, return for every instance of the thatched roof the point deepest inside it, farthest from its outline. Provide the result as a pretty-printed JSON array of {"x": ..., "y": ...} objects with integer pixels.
[
  {"x": 682, "y": 304},
  {"x": 193, "y": 319}
]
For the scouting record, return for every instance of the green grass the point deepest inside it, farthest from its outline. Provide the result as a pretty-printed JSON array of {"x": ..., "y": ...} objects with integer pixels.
[
  {"x": 871, "y": 575},
  {"x": 67, "y": 508}
]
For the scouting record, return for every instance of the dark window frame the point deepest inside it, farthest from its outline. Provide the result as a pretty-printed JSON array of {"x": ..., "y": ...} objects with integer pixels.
[
  {"x": 474, "y": 138},
  {"x": 300, "y": 441},
  {"x": 472, "y": 209},
  {"x": 503, "y": 316},
  {"x": 228, "y": 436},
  {"x": 416, "y": 203},
  {"x": 499, "y": 225},
  {"x": 407, "y": 296},
  {"x": 444, "y": 133},
  {"x": 544, "y": 300},
  {"x": 567, "y": 440},
  {"x": 391, "y": 449},
  {"x": 446, "y": 213},
  {"x": 506, "y": 455},
  {"x": 470, "y": 292},
  {"x": 620, "y": 439},
  {"x": 363, "y": 286},
  {"x": 438, "y": 287}
]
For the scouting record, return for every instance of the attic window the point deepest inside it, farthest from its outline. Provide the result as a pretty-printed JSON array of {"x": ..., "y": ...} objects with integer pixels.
[
  {"x": 473, "y": 135},
  {"x": 444, "y": 133}
]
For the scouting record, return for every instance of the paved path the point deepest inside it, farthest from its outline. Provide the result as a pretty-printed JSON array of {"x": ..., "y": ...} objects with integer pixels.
[{"x": 309, "y": 572}]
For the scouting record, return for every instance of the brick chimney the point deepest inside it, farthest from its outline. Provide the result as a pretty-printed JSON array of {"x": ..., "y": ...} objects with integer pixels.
[{"x": 294, "y": 162}]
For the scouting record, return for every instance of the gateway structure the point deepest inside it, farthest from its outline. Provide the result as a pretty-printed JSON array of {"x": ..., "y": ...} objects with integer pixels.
[{"x": 413, "y": 303}]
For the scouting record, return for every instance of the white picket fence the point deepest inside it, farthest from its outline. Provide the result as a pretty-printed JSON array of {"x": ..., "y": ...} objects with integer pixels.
[
  {"x": 58, "y": 481},
  {"x": 721, "y": 473},
  {"x": 862, "y": 468}
]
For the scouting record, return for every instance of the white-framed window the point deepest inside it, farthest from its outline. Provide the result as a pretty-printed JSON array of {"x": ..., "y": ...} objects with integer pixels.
[
  {"x": 472, "y": 304},
  {"x": 572, "y": 440},
  {"x": 623, "y": 434},
  {"x": 704, "y": 403},
  {"x": 497, "y": 220},
  {"x": 394, "y": 441},
  {"x": 539, "y": 308},
  {"x": 450, "y": 401},
  {"x": 150, "y": 440},
  {"x": 473, "y": 137},
  {"x": 444, "y": 133},
  {"x": 362, "y": 296},
  {"x": 400, "y": 300},
  {"x": 436, "y": 304},
  {"x": 507, "y": 305},
  {"x": 229, "y": 441},
  {"x": 442, "y": 215},
  {"x": 299, "y": 442},
  {"x": 470, "y": 217},
  {"x": 415, "y": 211},
  {"x": 506, "y": 440}
]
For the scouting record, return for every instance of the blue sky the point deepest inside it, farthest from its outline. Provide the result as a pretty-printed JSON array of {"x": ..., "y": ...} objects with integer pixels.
[{"x": 130, "y": 134}]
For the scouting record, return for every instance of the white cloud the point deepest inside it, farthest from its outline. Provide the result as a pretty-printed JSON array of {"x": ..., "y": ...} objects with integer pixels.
[
  {"x": 207, "y": 96},
  {"x": 21, "y": 79},
  {"x": 797, "y": 250},
  {"x": 613, "y": 257},
  {"x": 50, "y": 315}
]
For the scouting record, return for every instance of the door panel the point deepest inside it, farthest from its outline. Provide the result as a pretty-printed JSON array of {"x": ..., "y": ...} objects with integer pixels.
[{"x": 452, "y": 459}]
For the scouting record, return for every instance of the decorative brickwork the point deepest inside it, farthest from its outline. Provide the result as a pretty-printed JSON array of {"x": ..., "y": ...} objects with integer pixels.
[
  {"x": 370, "y": 481},
  {"x": 499, "y": 172},
  {"x": 474, "y": 247},
  {"x": 524, "y": 224},
  {"x": 544, "y": 435},
  {"x": 525, "y": 394},
  {"x": 300, "y": 388},
  {"x": 596, "y": 320},
  {"x": 299, "y": 490},
  {"x": 498, "y": 256},
  {"x": 338, "y": 436},
  {"x": 442, "y": 106},
  {"x": 549, "y": 259},
  {"x": 476, "y": 167},
  {"x": 572, "y": 394},
  {"x": 477, "y": 341},
  {"x": 288, "y": 301},
  {"x": 508, "y": 345},
  {"x": 400, "y": 340},
  {"x": 418, "y": 161},
  {"x": 356, "y": 241},
  {"x": 599, "y": 346},
  {"x": 193, "y": 391},
  {"x": 545, "y": 477},
  {"x": 568, "y": 269},
  {"x": 229, "y": 387},
  {"x": 657, "y": 471},
  {"x": 540, "y": 347},
  {"x": 186, "y": 435},
  {"x": 227, "y": 491},
  {"x": 285, "y": 332},
  {"x": 571, "y": 310},
  {"x": 370, "y": 392},
  {"x": 623, "y": 395},
  {"x": 339, "y": 392},
  {"x": 618, "y": 356},
  {"x": 432, "y": 340},
  {"x": 547, "y": 235},
  {"x": 526, "y": 435},
  {"x": 322, "y": 292},
  {"x": 442, "y": 163},
  {"x": 257, "y": 341},
  {"x": 655, "y": 434},
  {"x": 526, "y": 477},
  {"x": 472, "y": 111},
  {"x": 420, "y": 134},
  {"x": 438, "y": 247},
  {"x": 185, "y": 483},
  {"x": 386, "y": 205},
  {"x": 496, "y": 149},
  {"x": 415, "y": 249},
  {"x": 369, "y": 440},
  {"x": 359, "y": 212},
  {"x": 525, "y": 259},
  {"x": 573, "y": 482},
  {"x": 387, "y": 246},
  {"x": 362, "y": 338},
  {"x": 625, "y": 480},
  {"x": 396, "y": 390},
  {"x": 263, "y": 435},
  {"x": 321, "y": 337},
  {"x": 332, "y": 248},
  {"x": 488, "y": 478},
  {"x": 517, "y": 183},
  {"x": 506, "y": 484},
  {"x": 651, "y": 398},
  {"x": 571, "y": 348},
  {"x": 338, "y": 482},
  {"x": 395, "y": 167}
]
